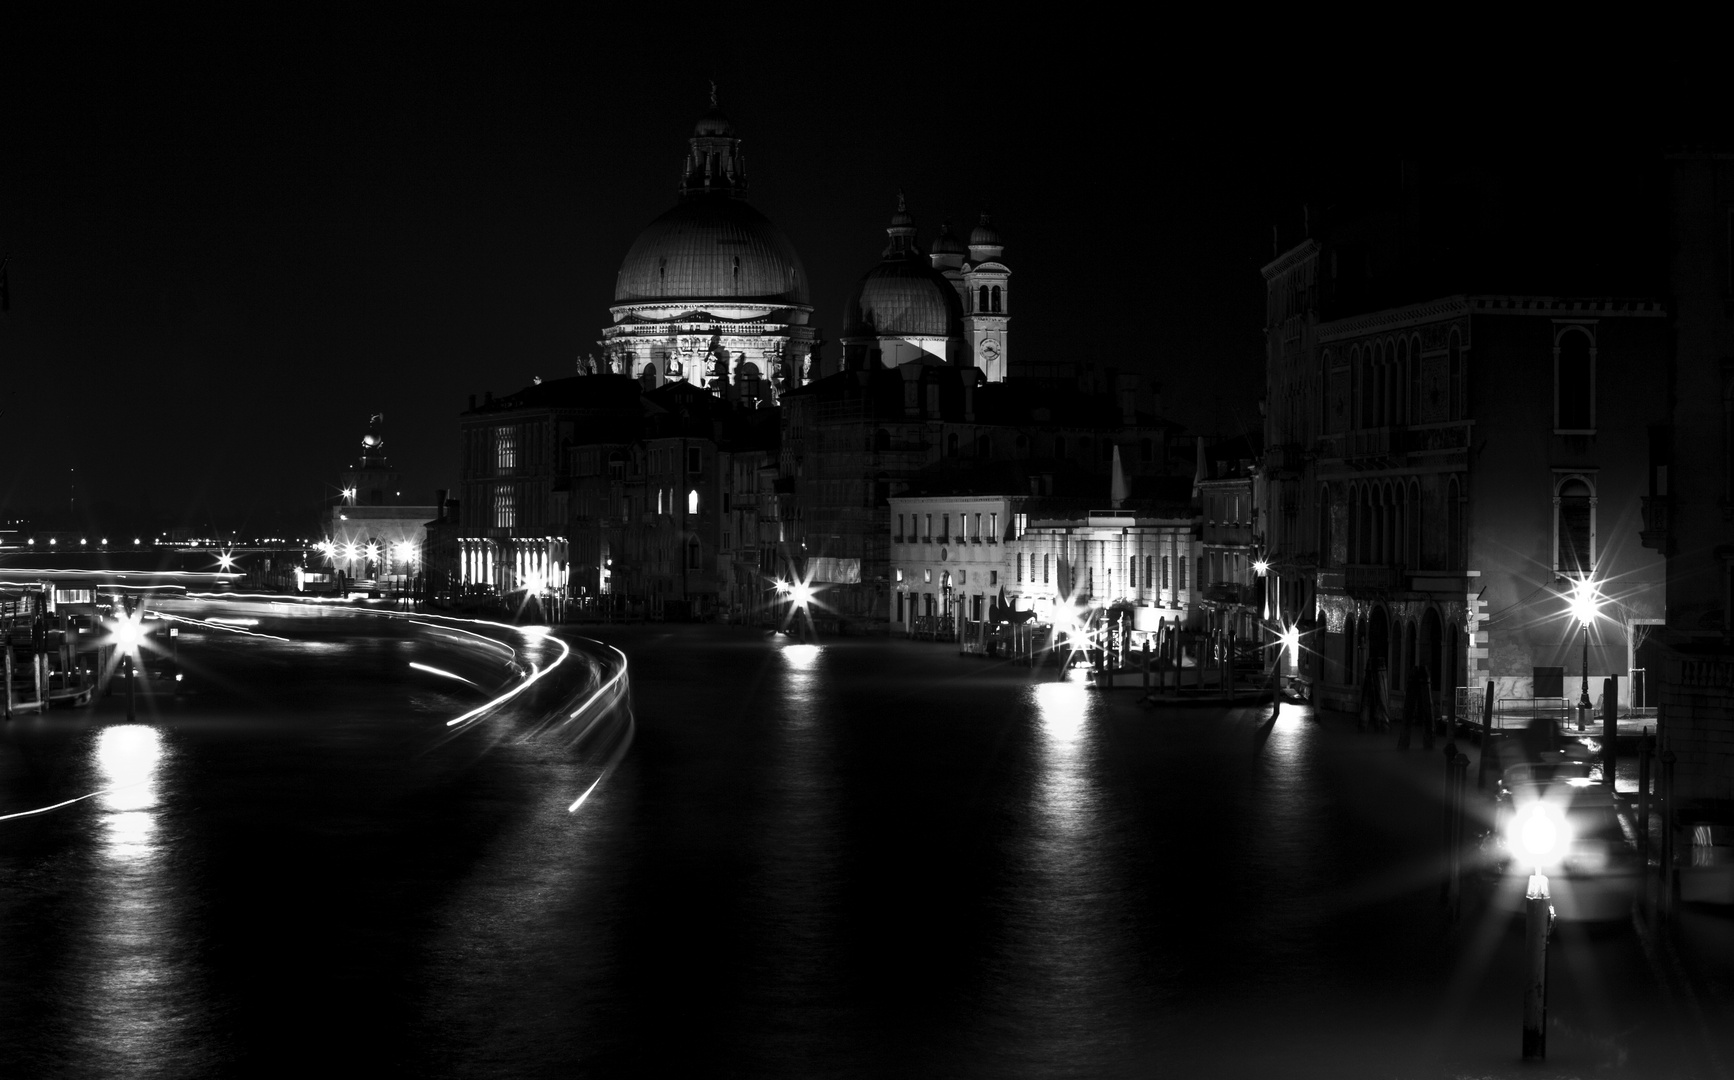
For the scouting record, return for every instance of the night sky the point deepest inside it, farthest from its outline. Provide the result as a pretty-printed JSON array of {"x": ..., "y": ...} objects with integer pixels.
[{"x": 232, "y": 242}]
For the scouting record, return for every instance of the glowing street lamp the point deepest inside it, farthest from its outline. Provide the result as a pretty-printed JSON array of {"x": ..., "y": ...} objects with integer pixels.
[{"x": 1585, "y": 602}]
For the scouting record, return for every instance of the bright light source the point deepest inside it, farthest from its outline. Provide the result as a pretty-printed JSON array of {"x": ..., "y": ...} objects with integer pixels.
[
  {"x": 1538, "y": 833},
  {"x": 404, "y": 551},
  {"x": 800, "y": 594},
  {"x": 126, "y": 632},
  {"x": 1585, "y": 601},
  {"x": 782, "y": 587},
  {"x": 1291, "y": 641},
  {"x": 373, "y": 551}
]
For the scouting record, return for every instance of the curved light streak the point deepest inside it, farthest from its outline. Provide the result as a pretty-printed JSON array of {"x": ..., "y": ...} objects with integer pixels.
[
  {"x": 625, "y": 743},
  {"x": 442, "y": 672},
  {"x": 537, "y": 671}
]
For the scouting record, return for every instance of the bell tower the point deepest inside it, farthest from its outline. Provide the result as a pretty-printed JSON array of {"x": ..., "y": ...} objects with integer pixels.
[{"x": 987, "y": 301}]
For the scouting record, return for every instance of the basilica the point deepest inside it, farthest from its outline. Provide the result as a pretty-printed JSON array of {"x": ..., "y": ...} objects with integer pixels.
[
  {"x": 713, "y": 444},
  {"x": 713, "y": 294}
]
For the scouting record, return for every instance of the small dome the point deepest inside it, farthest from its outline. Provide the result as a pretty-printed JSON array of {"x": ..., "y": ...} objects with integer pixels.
[
  {"x": 947, "y": 242},
  {"x": 985, "y": 235},
  {"x": 712, "y": 247},
  {"x": 903, "y": 298}
]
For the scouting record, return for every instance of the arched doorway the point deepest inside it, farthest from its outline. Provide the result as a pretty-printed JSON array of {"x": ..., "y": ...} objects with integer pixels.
[
  {"x": 1431, "y": 656},
  {"x": 1378, "y": 644}
]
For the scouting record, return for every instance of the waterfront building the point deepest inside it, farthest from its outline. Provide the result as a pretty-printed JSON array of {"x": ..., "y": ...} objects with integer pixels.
[
  {"x": 1442, "y": 476},
  {"x": 1690, "y": 484},
  {"x": 711, "y": 293},
  {"x": 514, "y": 480},
  {"x": 1228, "y": 485},
  {"x": 373, "y": 533}
]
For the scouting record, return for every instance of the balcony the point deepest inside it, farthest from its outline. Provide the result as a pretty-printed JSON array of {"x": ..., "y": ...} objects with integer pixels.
[{"x": 1360, "y": 579}]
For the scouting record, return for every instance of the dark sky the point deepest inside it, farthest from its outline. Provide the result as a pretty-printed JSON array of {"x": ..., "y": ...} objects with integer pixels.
[{"x": 231, "y": 242}]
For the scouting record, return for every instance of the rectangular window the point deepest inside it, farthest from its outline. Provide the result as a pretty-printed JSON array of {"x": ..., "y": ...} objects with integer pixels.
[
  {"x": 1148, "y": 562},
  {"x": 1046, "y": 563},
  {"x": 1019, "y": 524},
  {"x": 978, "y": 526},
  {"x": 899, "y": 528},
  {"x": 945, "y": 533},
  {"x": 1181, "y": 582},
  {"x": 993, "y": 528},
  {"x": 929, "y": 523},
  {"x": 993, "y": 577},
  {"x": 1167, "y": 569},
  {"x": 1020, "y": 566},
  {"x": 694, "y": 459}
]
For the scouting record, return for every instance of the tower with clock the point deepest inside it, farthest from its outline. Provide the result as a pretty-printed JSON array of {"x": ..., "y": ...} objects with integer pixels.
[{"x": 986, "y": 301}]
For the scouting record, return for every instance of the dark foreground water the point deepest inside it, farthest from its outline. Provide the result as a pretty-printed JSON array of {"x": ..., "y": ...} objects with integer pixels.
[{"x": 865, "y": 858}]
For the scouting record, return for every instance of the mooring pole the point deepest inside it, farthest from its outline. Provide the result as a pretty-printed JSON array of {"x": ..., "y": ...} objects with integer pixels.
[
  {"x": 1667, "y": 810},
  {"x": 1644, "y": 801},
  {"x": 1610, "y": 728},
  {"x": 1538, "y": 923},
  {"x": 131, "y": 679},
  {"x": 1486, "y": 735}
]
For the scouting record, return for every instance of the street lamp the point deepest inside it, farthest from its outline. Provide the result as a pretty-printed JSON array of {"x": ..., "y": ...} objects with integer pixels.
[{"x": 1584, "y": 602}]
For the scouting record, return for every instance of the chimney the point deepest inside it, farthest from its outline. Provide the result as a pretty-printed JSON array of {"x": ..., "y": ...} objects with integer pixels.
[{"x": 440, "y": 500}]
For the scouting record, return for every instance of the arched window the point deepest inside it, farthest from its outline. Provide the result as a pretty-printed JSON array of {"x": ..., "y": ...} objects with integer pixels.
[
  {"x": 1454, "y": 526},
  {"x": 1574, "y": 380},
  {"x": 982, "y": 305},
  {"x": 1574, "y": 527},
  {"x": 692, "y": 501},
  {"x": 1454, "y": 388},
  {"x": 1324, "y": 526},
  {"x": 1361, "y": 414},
  {"x": 1414, "y": 415},
  {"x": 1401, "y": 413},
  {"x": 881, "y": 439},
  {"x": 1412, "y": 511},
  {"x": 995, "y": 295}
]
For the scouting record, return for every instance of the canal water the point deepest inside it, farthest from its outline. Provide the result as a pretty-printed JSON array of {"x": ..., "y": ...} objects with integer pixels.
[{"x": 859, "y": 858}]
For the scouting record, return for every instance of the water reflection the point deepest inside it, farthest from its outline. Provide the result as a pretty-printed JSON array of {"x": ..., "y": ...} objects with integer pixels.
[
  {"x": 1057, "y": 970},
  {"x": 129, "y": 976}
]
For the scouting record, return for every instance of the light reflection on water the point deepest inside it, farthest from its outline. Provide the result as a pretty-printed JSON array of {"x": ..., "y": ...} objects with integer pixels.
[
  {"x": 1057, "y": 973},
  {"x": 129, "y": 973}
]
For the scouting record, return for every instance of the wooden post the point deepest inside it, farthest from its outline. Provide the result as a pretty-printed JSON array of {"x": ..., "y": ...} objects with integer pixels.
[
  {"x": 1486, "y": 735},
  {"x": 1146, "y": 667},
  {"x": 1459, "y": 782},
  {"x": 1610, "y": 728},
  {"x": 1666, "y": 895},
  {"x": 1644, "y": 801},
  {"x": 1538, "y": 922}
]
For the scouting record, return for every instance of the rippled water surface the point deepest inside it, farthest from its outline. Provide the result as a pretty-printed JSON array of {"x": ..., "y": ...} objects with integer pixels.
[{"x": 864, "y": 858}]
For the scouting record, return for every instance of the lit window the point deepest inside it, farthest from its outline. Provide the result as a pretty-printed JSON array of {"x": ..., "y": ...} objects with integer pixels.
[
  {"x": 692, "y": 501},
  {"x": 505, "y": 449}
]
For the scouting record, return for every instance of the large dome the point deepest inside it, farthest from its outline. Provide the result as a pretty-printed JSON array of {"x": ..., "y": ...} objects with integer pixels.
[
  {"x": 903, "y": 298},
  {"x": 712, "y": 247}
]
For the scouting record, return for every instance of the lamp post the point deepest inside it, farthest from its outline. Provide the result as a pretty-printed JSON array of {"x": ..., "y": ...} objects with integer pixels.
[{"x": 1583, "y": 608}]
